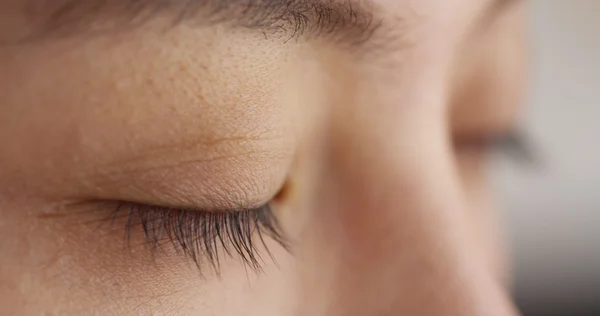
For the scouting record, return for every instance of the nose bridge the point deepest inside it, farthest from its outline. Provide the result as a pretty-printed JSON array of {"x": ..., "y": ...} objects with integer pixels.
[{"x": 392, "y": 239}]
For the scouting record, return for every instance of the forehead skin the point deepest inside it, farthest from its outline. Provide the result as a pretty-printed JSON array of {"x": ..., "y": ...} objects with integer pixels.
[{"x": 219, "y": 116}]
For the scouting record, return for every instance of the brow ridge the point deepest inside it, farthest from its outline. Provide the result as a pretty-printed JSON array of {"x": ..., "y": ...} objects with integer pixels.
[{"x": 350, "y": 22}]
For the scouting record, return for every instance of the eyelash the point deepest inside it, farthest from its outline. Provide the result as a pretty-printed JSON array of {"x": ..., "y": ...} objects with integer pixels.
[{"x": 205, "y": 236}]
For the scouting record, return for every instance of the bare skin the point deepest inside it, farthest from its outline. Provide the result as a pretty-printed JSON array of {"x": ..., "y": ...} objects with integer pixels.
[{"x": 383, "y": 195}]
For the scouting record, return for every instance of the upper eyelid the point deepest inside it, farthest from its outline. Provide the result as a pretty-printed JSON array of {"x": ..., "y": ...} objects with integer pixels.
[
  {"x": 248, "y": 188},
  {"x": 233, "y": 172}
]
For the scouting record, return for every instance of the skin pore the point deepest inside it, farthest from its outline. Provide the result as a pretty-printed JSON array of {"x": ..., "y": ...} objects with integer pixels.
[{"x": 359, "y": 123}]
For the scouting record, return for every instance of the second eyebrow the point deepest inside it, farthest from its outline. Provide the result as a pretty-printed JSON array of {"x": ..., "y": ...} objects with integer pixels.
[{"x": 347, "y": 22}]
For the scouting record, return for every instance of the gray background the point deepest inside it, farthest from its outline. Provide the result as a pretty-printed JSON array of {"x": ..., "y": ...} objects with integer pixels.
[{"x": 554, "y": 210}]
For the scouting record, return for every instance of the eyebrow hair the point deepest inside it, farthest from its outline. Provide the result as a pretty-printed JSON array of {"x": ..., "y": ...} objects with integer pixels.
[{"x": 351, "y": 22}]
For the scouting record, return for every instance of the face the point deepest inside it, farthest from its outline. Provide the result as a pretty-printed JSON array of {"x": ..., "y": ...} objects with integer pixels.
[{"x": 254, "y": 157}]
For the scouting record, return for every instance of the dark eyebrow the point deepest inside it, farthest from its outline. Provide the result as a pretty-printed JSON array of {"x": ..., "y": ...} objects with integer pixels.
[{"x": 347, "y": 21}]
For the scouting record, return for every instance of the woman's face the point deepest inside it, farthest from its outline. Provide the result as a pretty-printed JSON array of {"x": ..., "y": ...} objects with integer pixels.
[{"x": 281, "y": 157}]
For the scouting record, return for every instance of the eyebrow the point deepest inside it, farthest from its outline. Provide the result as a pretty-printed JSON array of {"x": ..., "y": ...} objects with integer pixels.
[{"x": 351, "y": 22}]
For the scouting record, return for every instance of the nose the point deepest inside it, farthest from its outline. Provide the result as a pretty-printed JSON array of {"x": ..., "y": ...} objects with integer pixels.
[{"x": 388, "y": 236}]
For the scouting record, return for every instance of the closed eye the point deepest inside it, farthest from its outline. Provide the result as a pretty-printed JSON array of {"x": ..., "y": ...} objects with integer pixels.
[{"x": 513, "y": 144}]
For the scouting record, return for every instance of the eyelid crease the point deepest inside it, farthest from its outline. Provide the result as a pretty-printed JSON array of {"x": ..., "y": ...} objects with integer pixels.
[
  {"x": 196, "y": 145},
  {"x": 181, "y": 163}
]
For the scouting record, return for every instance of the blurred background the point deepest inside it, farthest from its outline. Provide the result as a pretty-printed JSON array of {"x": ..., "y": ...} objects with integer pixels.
[{"x": 554, "y": 211}]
